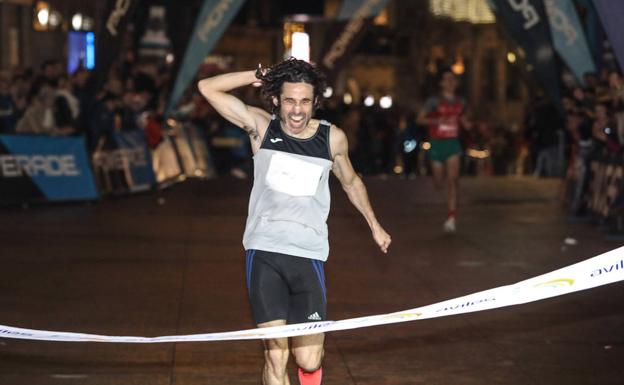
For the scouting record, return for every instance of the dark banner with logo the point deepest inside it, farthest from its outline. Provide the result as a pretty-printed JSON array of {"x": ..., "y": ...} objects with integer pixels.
[
  {"x": 345, "y": 36},
  {"x": 39, "y": 168},
  {"x": 123, "y": 164},
  {"x": 108, "y": 38},
  {"x": 214, "y": 17},
  {"x": 612, "y": 16},
  {"x": 527, "y": 23}
]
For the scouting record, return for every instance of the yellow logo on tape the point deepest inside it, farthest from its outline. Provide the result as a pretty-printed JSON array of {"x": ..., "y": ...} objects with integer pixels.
[{"x": 556, "y": 283}]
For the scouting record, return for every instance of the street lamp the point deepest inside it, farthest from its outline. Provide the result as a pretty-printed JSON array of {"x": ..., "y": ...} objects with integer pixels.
[
  {"x": 301, "y": 46},
  {"x": 77, "y": 21}
]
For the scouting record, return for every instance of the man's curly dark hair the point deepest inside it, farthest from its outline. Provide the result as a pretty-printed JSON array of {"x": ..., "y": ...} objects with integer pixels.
[{"x": 291, "y": 71}]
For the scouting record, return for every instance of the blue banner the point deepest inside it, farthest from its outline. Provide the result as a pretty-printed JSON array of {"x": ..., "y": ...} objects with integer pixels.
[
  {"x": 568, "y": 37},
  {"x": 212, "y": 21},
  {"x": 527, "y": 23},
  {"x": 123, "y": 163},
  {"x": 132, "y": 148},
  {"x": 40, "y": 168},
  {"x": 591, "y": 24},
  {"x": 612, "y": 16}
]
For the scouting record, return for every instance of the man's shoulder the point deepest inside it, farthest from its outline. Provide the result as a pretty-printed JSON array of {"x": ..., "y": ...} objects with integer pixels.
[
  {"x": 316, "y": 123},
  {"x": 260, "y": 114}
]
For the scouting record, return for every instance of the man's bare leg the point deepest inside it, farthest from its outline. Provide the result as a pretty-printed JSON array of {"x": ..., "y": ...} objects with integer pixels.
[
  {"x": 275, "y": 358},
  {"x": 308, "y": 352}
]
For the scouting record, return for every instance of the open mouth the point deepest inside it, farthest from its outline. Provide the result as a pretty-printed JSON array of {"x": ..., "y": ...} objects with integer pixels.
[{"x": 297, "y": 120}]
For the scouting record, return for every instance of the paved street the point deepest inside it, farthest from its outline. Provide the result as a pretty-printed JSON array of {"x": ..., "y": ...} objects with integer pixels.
[{"x": 172, "y": 263}]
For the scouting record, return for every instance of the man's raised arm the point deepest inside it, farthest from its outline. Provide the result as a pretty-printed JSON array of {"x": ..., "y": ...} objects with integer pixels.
[{"x": 215, "y": 90}]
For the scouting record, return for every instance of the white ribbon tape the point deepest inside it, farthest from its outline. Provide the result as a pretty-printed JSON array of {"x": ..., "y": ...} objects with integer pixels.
[{"x": 601, "y": 270}]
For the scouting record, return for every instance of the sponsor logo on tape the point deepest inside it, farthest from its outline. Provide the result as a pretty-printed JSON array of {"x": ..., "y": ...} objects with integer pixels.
[
  {"x": 556, "y": 283},
  {"x": 618, "y": 266}
]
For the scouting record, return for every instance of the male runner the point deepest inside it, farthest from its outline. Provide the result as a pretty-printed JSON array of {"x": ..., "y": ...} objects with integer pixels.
[
  {"x": 444, "y": 114},
  {"x": 286, "y": 233}
]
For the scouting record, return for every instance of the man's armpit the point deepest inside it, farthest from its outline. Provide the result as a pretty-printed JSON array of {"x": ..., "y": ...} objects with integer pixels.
[{"x": 253, "y": 134}]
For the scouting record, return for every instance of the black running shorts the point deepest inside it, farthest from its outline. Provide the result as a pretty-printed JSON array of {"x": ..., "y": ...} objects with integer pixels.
[{"x": 285, "y": 287}]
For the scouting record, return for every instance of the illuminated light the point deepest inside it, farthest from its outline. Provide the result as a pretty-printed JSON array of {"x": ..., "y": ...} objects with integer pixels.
[
  {"x": 409, "y": 145},
  {"x": 369, "y": 101},
  {"x": 301, "y": 46},
  {"x": 87, "y": 23},
  {"x": 300, "y": 18},
  {"x": 90, "y": 59},
  {"x": 458, "y": 67},
  {"x": 289, "y": 29},
  {"x": 385, "y": 102},
  {"x": 55, "y": 19},
  {"x": 347, "y": 98},
  {"x": 472, "y": 11},
  {"x": 381, "y": 18},
  {"x": 328, "y": 92},
  {"x": 426, "y": 146},
  {"x": 169, "y": 58},
  {"x": 511, "y": 57},
  {"x": 478, "y": 154},
  {"x": 76, "y": 21},
  {"x": 398, "y": 169},
  {"x": 43, "y": 16}
]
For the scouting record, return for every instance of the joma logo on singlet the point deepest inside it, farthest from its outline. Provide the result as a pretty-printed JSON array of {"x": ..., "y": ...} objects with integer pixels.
[{"x": 275, "y": 140}]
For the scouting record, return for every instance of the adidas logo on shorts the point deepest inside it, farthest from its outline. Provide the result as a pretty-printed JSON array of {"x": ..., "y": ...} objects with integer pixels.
[{"x": 314, "y": 317}]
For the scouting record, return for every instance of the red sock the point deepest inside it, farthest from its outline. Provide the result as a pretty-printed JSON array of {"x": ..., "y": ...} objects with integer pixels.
[
  {"x": 451, "y": 213},
  {"x": 312, "y": 378}
]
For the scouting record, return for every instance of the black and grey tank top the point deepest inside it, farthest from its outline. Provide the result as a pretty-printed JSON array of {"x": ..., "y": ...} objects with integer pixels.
[{"x": 290, "y": 198}]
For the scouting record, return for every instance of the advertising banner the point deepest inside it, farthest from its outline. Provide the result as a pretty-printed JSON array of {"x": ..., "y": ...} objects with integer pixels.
[
  {"x": 354, "y": 19},
  {"x": 41, "y": 168},
  {"x": 568, "y": 37},
  {"x": 611, "y": 14},
  {"x": 527, "y": 23},
  {"x": 123, "y": 163},
  {"x": 214, "y": 17}
]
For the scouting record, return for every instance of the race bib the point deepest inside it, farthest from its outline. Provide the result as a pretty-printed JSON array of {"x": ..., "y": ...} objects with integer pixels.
[
  {"x": 448, "y": 128},
  {"x": 293, "y": 176}
]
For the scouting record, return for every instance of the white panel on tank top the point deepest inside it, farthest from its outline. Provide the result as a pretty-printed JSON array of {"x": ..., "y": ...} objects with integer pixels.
[{"x": 293, "y": 176}]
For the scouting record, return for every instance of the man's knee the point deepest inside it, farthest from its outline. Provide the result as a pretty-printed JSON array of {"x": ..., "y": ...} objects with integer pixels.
[{"x": 308, "y": 358}]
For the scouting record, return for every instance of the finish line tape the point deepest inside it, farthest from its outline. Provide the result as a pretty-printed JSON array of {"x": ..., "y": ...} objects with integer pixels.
[{"x": 598, "y": 271}]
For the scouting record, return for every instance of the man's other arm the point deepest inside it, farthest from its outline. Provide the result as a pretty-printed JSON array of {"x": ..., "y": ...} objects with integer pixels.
[{"x": 354, "y": 187}]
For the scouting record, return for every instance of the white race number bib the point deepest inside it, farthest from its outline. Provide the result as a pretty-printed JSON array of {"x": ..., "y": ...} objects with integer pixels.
[{"x": 293, "y": 176}]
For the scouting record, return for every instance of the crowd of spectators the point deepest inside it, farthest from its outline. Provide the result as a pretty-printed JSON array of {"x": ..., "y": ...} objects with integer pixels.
[
  {"x": 589, "y": 123},
  {"x": 594, "y": 130},
  {"x": 51, "y": 102}
]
